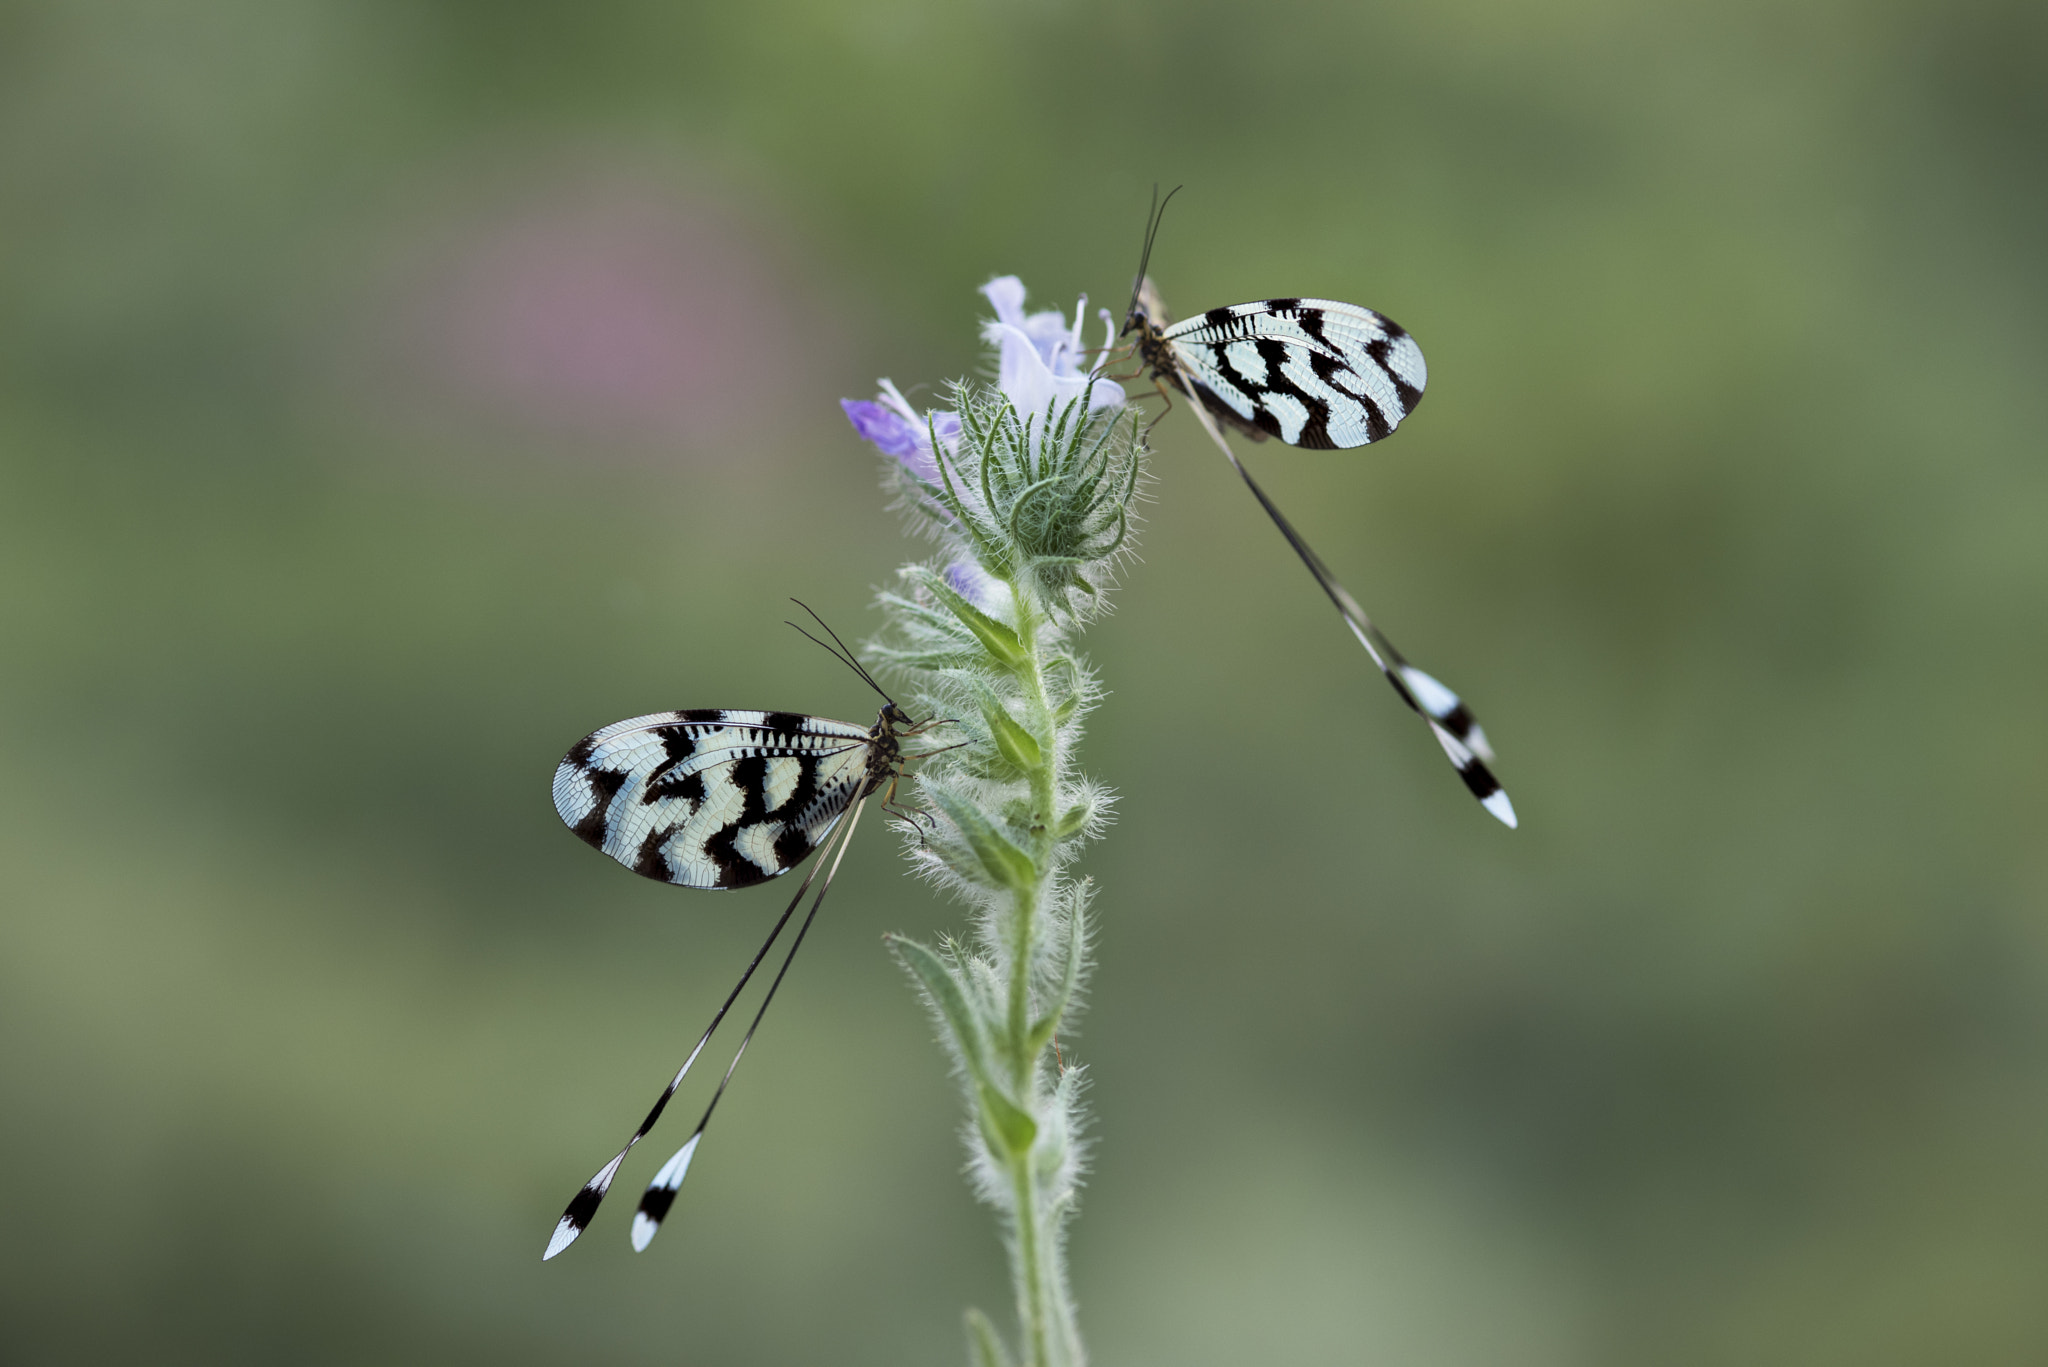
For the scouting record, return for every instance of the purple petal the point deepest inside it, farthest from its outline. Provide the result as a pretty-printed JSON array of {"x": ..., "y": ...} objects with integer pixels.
[
  {"x": 1038, "y": 362},
  {"x": 1030, "y": 383},
  {"x": 978, "y": 586},
  {"x": 892, "y": 433}
]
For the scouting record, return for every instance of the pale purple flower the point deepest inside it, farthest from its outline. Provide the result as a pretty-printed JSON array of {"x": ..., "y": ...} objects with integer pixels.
[
  {"x": 1039, "y": 364},
  {"x": 979, "y": 587},
  {"x": 898, "y": 430},
  {"x": 891, "y": 432},
  {"x": 1040, "y": 354}
]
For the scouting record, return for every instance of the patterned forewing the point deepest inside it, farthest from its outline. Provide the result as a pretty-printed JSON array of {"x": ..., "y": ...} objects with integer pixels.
[
  {"x": 712, "y": 798},
  {"x": 1312, "y": 372}
]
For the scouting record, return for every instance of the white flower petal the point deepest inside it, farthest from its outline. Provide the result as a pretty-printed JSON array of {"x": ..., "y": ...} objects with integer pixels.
[{"x": 1006, "y": 293}]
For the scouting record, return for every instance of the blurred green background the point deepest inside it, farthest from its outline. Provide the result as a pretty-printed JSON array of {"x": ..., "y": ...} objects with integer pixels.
[{"x": 390, "y": 393}]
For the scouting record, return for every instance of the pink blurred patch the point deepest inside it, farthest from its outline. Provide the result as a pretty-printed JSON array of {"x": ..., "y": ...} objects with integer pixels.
[{"x": 609, "y": 305}]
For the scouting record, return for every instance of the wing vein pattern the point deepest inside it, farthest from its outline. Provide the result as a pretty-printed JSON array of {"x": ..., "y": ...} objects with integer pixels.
[
  {"x": 1316, "y": 373},
  {"x": 712, "y": 797}
]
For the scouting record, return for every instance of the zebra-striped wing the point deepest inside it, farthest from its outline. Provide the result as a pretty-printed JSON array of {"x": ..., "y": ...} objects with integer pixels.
[
  {"x": 713, "y": 797},
  {"x": 1312, "y": 372}
]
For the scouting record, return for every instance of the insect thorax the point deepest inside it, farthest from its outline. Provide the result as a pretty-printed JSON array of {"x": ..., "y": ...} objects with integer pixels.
[
  {"x": 1152, "y": 350},
  {"x": 1152, "y": 346},
  {"x": 885, "y": 753}
]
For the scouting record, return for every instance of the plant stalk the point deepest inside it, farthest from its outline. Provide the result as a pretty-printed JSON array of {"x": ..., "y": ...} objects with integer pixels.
[{"x": 1039, "y": 1279}]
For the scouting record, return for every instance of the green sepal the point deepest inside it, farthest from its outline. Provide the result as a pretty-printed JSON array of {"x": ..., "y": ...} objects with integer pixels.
[
  {"x": 1072, "y": 820},
  {"x": 1004, "y": 1126},
  {"x": 998, "y": 640},
  {"x": 1006, "y": 865},
  {"x": 1023, "y": 814},
  {"x": 1013, "y": 742}
]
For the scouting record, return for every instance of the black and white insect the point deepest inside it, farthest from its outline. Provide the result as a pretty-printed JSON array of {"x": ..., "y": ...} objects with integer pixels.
[
  {"x": 720, "y": 799},
  {"x": 1321, "y": 374}
]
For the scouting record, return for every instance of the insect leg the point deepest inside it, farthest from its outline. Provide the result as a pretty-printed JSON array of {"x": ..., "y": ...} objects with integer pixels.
[{"x": 1167, "y": 394}]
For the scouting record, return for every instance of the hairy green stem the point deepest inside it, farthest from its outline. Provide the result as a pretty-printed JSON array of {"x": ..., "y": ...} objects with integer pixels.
[
  {"x": 1036, "y": 1271},
  {"x": 1040, "y": 504}
]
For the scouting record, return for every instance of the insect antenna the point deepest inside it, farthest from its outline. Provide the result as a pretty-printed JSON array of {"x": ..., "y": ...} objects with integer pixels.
[
  {"x": 576, "y": 1218},
  {"x": 843, "y": 655},
  {"x": 1153, "y": 216},
  {"x": 661, "y": 1192}
]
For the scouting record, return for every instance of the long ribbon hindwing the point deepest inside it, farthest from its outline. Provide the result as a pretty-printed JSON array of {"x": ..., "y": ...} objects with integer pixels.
[{"x": 1322, "y": 374}]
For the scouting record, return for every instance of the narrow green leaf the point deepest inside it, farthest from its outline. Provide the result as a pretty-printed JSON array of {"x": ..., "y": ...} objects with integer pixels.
[
  {"x": 1013, "y": 742},
  {"x": 998, "y": 640},
  {"x": 926, "y": 659},
  {"x": 946, "y": 993},
  {"x": 943, "y": 623},
  {"x": 984, "y": 1349},
  {"x": 1077, "y": 943},
  {"x": 1006, "y": 865}
]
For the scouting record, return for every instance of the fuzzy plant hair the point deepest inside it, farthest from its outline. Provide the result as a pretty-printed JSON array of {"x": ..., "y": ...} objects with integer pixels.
[{"x": 1027, "y": 487}]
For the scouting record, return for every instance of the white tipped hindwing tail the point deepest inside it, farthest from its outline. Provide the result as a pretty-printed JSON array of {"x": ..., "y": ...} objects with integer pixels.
[
  {"x": 1322, "y": 374},
  {"x": 718, "y": 798}
]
